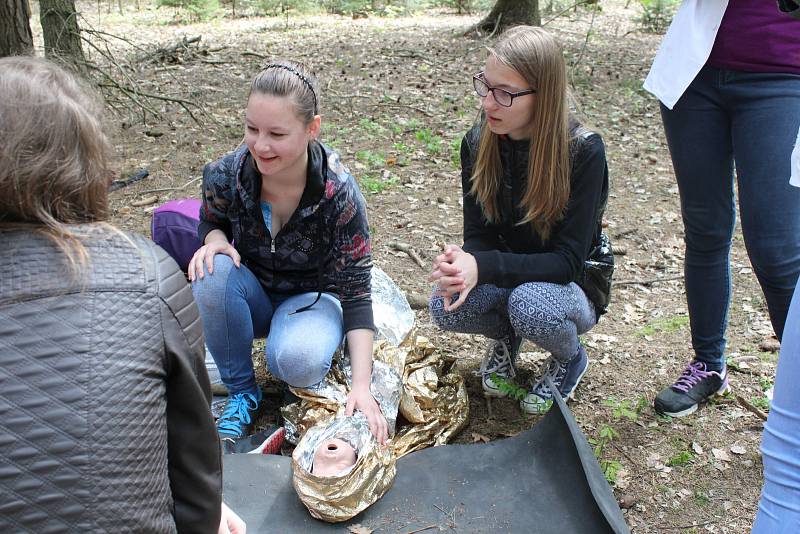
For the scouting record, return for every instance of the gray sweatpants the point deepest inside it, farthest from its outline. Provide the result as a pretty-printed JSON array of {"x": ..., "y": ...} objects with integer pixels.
[{"x": 550, "y": 315}]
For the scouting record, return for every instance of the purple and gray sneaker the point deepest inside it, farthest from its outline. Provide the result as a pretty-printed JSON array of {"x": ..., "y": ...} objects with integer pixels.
[{"x": 695, "y": 385}]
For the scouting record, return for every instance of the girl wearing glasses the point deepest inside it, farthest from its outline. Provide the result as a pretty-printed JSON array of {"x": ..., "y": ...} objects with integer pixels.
[
  {"x": 535, "y": 184},
  {"x": 286, "y": 254}
]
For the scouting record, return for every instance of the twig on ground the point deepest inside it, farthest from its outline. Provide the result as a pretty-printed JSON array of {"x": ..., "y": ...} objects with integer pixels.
[
  {"x": 161, "y": 189},
  {"x": 254, "y": 54},
  {"x": 647, "y": 281},
  {"x": 399, "y": 105},
  {"x": 146, "y": 201},
  {"x": 422, "y": 529},
  {"x": 744, "y": 403},
  {"x": 625, "y": 454},
  {"x": 409, "y": 250}
]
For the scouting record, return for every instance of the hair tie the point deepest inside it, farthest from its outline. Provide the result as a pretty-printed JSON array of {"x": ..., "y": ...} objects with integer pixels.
[{"x": 304, "y": 79}]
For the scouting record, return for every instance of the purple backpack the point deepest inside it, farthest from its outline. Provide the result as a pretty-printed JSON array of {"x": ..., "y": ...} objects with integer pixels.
[{"x": 174, "y": 228}]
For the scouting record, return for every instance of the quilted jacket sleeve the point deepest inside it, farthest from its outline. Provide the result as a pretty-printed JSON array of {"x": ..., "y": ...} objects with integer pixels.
[{"x": 195, "y": 468}]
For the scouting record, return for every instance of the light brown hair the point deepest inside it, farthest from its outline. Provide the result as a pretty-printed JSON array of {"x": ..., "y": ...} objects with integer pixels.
[
  {"x": 538, "y": 58},
  {"x": 54, "y": 155},
  {"x": 293, "y": 80}
]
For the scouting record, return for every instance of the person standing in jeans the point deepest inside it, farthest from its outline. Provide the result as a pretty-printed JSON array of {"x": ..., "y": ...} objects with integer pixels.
[
  {"x": 779, "y": 507},
  {"x": 728, "y": 78}
]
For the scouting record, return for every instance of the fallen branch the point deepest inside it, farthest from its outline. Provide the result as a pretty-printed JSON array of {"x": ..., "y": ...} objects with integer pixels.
[
  {"x": 648, "y": 281},
  {"x": 141, "y": 174},
  {"x": 422, "y": 529},
  {"x": 162, "y": 189},
  {"x": 409, "y": 250},
  {"x": 744, "y": 403},
  {"x": 146, "y": 201},
  {"x": 399, "y": 105},
  {"x": 254, "y": 54}
]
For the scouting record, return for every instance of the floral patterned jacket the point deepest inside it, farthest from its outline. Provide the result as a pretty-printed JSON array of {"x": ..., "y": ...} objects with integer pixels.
[{"x": 325, "y": 245}]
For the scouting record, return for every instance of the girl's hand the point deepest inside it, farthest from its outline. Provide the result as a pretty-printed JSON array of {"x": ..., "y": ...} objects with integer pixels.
[
  {"x": 445, "y": 274},
  {"x": 206, "y": 254},
  {"x": 362, "y": 400},
  {"x": 464, "y": 264}
]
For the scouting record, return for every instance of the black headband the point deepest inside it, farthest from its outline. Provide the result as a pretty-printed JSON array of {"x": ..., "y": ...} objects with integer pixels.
[{"x": 305, "y": 80}]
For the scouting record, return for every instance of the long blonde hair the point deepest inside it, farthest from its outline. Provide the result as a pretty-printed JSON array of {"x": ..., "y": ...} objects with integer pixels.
[
  {"x": 538, "y": 58},
  {"x": 54, "y": 155}
]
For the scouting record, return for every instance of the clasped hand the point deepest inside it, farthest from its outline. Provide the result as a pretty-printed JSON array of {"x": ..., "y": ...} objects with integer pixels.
[{"x": 455, "y": 273}]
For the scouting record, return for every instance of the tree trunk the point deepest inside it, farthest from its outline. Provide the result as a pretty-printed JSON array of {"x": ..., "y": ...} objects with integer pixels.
[
  {"x": 507, "y": 13},
  {"x": 62, "y": 37},
  {"x": 15, "y": 28}
]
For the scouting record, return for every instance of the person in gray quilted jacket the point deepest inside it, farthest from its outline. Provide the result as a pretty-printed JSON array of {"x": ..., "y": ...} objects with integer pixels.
[{"x": 104, "y": 398}]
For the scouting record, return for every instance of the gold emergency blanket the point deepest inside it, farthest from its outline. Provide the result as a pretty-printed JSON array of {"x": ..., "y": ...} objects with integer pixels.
[{"x": 407, "y": 378}]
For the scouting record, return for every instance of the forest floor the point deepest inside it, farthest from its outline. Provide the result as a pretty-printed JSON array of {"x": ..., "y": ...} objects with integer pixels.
[{"x": 397, "y": 99}]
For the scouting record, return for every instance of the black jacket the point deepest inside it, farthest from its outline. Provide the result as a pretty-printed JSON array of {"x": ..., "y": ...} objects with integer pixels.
[
  {"x": 105, "y": 423},
  {"x": 327, "y": 235},
  {"x": 508, "y": 254}
]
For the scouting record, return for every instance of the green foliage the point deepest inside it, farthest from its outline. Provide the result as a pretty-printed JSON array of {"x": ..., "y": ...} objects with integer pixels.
[
  {"x": 373, "y": 183},
  {"x": 760, "y": 402},
  {"x": 370, "y": 126},
  {"x": 625, "y": 408},
  {"x": 666, "y": 325},
  {"x": 402, "y": 148},
  {"x": 680, "y": 459},
  {"x": 197, "y": 9},
  {"x": 285, "y": 7},
  {"x": 511, "y": 389},
  {"x": 765, "y": 382},
  {"x": 701, "y": 498},
  {"x": 372, "y": 159},
  {"x": 609, "y": 467},
  {"x": 433, "y": 143},
  {"x": 657, "y": 14},
  {"x": 455, "y": 152}
]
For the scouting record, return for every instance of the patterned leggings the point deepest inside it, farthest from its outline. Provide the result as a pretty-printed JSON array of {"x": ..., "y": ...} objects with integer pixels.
[{"x": 550, "y": 315}]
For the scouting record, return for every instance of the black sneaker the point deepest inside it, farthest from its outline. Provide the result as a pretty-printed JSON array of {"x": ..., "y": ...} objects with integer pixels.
[
  {"x": 565, "y": 376},
  {"x": 694, "y": 386},
  {"x": 499, "y": 359}
]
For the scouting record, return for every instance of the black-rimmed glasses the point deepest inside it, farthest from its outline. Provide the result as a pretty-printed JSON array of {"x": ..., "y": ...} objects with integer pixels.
[{"x": 501, "y": 96}]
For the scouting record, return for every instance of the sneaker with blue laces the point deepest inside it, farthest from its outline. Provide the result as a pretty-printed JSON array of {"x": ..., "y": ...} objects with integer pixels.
[
  {"x": 499, "y": 359},
  {"x": 565, "y": 376},
  {"x": 696, "y": 385},
  {"x": 236, "y": 420}
]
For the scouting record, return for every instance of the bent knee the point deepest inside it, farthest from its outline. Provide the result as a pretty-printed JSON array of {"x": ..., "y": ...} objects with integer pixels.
[
  {"x": 211, "y": 284},
  {"x": 300, "y": 367},
  {"x": 535, "y": 306}
]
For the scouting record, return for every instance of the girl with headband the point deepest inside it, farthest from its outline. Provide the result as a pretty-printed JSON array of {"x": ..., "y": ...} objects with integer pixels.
[{"x": 286, "y": 254}]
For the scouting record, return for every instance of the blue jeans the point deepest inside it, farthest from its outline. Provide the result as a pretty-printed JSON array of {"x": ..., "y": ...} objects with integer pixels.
[
  {"x": 235, "y": 310},
  {"x": 779, "y": 507},
  {"x": 750, "y": 120}
]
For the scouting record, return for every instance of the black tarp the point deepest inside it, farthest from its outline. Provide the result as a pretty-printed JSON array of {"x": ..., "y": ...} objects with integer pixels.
[{"x": 545, "y": 479}]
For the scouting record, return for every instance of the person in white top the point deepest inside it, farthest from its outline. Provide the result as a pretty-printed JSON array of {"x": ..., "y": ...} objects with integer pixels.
[{"x": 728, "y": 78}]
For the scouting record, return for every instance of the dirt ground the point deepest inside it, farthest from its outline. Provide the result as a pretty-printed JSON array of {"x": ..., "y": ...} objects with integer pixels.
[{"x": 397, "y": 98}]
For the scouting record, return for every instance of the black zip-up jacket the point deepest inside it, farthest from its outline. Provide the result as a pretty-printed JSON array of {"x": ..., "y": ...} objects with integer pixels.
[
  {"x": 509, "y": 254},
  {"x": 105, "y": 423},
  {"x": 325, "y": 245}
]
